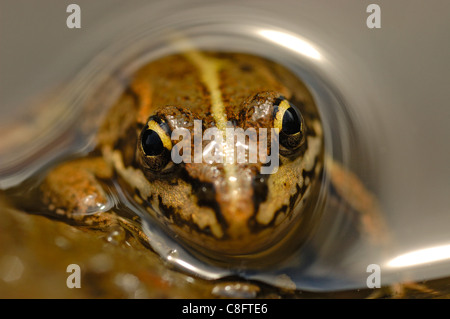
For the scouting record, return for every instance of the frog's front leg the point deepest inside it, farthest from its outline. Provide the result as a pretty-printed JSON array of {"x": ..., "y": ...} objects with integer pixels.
[
  {"x": 72, "y": 190},
  {"x": 351, "y": 189}
]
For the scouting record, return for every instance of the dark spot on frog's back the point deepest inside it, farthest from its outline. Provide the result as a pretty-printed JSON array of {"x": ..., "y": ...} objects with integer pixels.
[{"x": 245, "y": 67}]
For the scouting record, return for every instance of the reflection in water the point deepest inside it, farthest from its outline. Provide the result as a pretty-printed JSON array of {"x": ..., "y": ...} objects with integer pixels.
[
  {"x": 292, "y": 42},
  {"x": 421, "y": 256}
]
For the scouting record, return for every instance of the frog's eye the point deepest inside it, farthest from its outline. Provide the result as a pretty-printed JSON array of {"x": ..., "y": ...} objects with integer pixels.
[
  {"x": 156, "y": 144},
  {"x": 152, "y": 143},
  {"x": 289, "y": 121}
]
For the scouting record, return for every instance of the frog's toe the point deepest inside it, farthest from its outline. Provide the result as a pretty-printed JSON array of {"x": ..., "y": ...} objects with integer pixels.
[{"x": 73, "y": 191}]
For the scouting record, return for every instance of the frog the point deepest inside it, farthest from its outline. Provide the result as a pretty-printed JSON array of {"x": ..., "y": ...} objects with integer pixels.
[
  {"x": 229, "y": 209},
  {"x": 224, "y": 212}
]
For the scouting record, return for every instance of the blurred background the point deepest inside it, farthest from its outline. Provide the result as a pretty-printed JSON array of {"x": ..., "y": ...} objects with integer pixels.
[{"x": 384, "y": 94}]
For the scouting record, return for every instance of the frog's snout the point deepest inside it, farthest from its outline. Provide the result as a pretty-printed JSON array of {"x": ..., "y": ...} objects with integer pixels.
[{"x": 236, "y": 208}]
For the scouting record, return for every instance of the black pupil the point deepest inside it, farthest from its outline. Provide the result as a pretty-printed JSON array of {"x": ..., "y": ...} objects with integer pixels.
[
  {"x": 291, "y": 122},
  {"x": 151, "y": 143}
]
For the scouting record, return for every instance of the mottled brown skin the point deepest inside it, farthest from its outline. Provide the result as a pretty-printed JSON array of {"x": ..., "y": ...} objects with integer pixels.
[
  {"x": 196, "y": 201},
  {"x": 75, "y": 187}
]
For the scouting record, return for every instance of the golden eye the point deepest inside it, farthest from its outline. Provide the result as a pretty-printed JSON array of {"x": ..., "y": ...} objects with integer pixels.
[
  {"x": 151, "y": 143},
  {"x": 156, "y": 144},
  {"x": 292, "y": 123},
  {"x": 289, "y": 121}
]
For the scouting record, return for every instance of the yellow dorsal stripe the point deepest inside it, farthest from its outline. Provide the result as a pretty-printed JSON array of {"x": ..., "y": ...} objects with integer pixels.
[{"x": 209, "y": 70}]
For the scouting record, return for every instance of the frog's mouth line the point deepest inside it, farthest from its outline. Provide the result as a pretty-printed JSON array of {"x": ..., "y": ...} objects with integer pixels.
[{"x": 206, "y": 196}]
